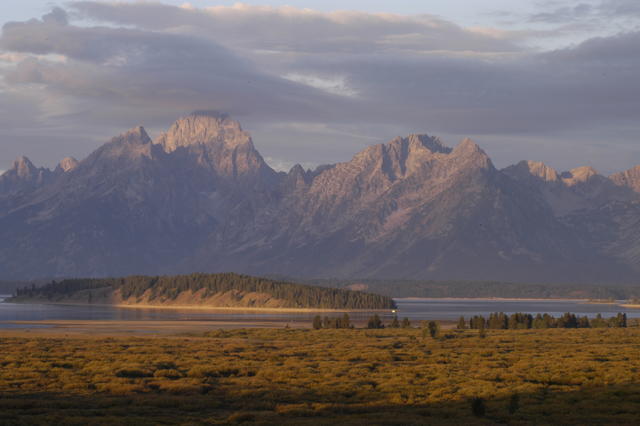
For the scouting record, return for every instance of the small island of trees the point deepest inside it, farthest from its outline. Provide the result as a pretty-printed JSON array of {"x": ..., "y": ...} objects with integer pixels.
[{"x": 163, "y": 288}]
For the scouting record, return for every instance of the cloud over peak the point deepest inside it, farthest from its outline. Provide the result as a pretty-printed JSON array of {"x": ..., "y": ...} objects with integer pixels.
[{"x": 104, "y": 66}]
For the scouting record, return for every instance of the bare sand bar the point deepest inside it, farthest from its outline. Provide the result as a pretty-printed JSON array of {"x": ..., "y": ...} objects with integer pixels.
[
  {"x": 239, "y": 309},
  {"x": 209, "y": 308}
]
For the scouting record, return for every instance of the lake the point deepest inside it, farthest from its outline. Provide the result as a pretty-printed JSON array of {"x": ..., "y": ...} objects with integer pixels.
[{"x": 414, "y": 309}]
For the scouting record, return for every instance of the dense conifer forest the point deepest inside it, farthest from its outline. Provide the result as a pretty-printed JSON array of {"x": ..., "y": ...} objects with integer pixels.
[
  {"x": 524, "y": 321},
  {"x": 170, "y": 287}
]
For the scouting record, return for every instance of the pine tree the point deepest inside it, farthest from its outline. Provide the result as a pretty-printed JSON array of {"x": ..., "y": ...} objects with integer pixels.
[
  {"x": 346, "y": 321},
  {"x": 514, "y": 403},
  {"x": 477, "y": 407},
  {"x": 374, "y": 322},
  {"x": 462, "y": 324},
  {"x": 481, "y": 331},
  {"x": 326, "y": 323},
  {"x": 583, "y": 322},
  {"x": 434, "y": 329},
  {"x": 395, "y": 323},
  {"x": 317, "y": 322}
]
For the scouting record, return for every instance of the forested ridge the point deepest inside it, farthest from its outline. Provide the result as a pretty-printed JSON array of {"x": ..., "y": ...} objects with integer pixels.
[
  {"x": 163, "y": 288},
  {"x": 481, "y": 289}
]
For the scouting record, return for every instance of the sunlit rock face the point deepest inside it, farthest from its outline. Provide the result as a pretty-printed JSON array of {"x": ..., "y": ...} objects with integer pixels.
[
  {"x": 215, "y": 141},
  {"x": 204, "y": 128},
  {"x": 23, "y": 176},
  {"x": 202, "y": 198},
  {"x": 629, "y": 178},
  {"x": 67, "y": 164}
]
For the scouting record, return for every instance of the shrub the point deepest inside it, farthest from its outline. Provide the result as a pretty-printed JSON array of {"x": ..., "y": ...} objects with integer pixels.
[
  {"x": 167, "y": 374},
  {"x": 200, "y": 372},
  {"x": 133, "y": 373},
  {"x": 241, "y": 417},
  {"x": 434, "y": 329},
  {"x": 514, "y": 403},
  {"x": 477, "y": 407},
  {"x": 166, "y": 365}
]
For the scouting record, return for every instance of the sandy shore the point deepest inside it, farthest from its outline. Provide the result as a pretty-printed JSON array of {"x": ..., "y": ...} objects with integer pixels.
[
  {"x": 221, "y": 309},
  {"x": 244, "y": 309}
]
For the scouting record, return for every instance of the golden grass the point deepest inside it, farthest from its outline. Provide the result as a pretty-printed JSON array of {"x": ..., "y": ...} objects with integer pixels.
[{"x": 280, "y": 376}]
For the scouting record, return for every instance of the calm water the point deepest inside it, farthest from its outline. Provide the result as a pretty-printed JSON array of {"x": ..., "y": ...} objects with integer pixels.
[
  {"x": 451, "y": 309},
  {"x": 414, "y": 309}
]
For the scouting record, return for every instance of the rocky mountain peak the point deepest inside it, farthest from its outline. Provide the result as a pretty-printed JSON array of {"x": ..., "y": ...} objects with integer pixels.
[
  {"x": 298, "y": 177},
  {"x": 469, "y": 154},
  {"x": 541, "y": 170},
  {"x": 420, "y": 141},
  {"x": 629, "y": 178},
  {"x": 136, "y": 134},
  {"x": 536, "y": 169},
  {"x": 467, "y": 145},
  {"x": 23, "y": 168},
  {"x": 204, "y": 128},
  {"x": 67, "y": 164},
  {"x": 131, "y": 146},
  {"x": 297, "y": 171},
  {"x": 578, "y": 175},
  {"x": 401, "y": 157},
  {"x": 217, "y": 142},
  {"x": 23, "y": 175}
]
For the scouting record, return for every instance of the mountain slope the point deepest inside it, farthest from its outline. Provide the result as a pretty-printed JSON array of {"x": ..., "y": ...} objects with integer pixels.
[
  {"x": 202, "y": 198},
  {"x": 128, "y": 207}
]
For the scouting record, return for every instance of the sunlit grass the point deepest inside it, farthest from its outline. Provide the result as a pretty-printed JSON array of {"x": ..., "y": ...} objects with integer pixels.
[{"x": 353, "y": 376}]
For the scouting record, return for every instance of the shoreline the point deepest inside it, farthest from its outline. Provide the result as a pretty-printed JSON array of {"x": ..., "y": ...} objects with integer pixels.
[
  {"x": 244, "y": 309},
  {"x": 197, "y": 307},
  {"x": 499, "y": 299},
  {"x": 156, "y": 328}
]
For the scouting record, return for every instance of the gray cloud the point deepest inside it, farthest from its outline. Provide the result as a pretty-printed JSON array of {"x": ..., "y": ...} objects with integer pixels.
[
  {"x": 136, "y": 68},
  {"x": 620, "y": 7},
  {"x": 313, "y": 86},
  {"x": 287, "y": 29},
  {"x": 56, "y": 16},
  {"x": 595, "y": 11},
  {"x": 563, "y": 14}
]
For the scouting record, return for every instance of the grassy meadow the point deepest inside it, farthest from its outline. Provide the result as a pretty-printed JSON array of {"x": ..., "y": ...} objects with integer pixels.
[{"x": 328, "y": 376}]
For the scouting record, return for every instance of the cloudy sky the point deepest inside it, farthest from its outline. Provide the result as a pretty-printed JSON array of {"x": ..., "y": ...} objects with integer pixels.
[{"x": 316, "y": 81}]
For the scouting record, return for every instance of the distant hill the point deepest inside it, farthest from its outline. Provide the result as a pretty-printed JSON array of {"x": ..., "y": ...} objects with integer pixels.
[
  {"x": 482, "y": 289},
  {"x": 9, "y": 287},
  {"x": 201, "y": 198},
  {"x": 201, "y": 290}
]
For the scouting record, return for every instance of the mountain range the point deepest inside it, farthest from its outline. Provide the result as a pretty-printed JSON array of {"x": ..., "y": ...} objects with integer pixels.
[{"x": 201, "y": 198}]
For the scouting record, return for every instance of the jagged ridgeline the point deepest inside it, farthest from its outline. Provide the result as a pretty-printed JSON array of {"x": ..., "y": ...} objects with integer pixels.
[
  {"x": 215, "y": 290},
  {"x": 201, "y": 197}
]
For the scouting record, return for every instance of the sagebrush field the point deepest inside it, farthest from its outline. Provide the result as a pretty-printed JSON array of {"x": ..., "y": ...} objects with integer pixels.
[{"x": 346, "y": 376}]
